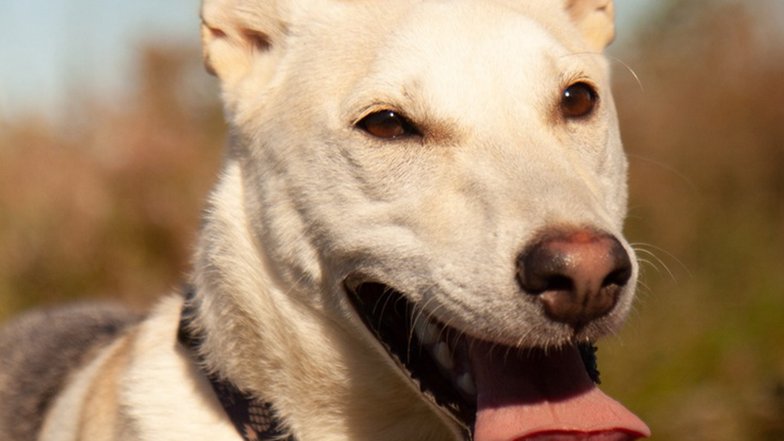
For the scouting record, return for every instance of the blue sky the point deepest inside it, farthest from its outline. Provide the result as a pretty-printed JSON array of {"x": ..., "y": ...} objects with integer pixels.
[{"x": 49, "y": 46}]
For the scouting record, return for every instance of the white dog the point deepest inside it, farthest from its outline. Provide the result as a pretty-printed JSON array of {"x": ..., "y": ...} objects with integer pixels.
[{"x": 416, "y": 236}]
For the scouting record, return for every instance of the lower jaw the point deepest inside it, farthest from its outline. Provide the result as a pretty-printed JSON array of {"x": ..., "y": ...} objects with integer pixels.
[
  {"x": 489, "y": 390},
  {"x": 434, "y": 356}
]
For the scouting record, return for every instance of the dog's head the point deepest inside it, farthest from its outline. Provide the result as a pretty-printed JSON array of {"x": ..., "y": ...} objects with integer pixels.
[{"x": 449, "y": 178}]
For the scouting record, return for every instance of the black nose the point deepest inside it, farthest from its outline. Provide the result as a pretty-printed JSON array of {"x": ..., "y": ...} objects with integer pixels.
[{"x": 577, "y": 274}]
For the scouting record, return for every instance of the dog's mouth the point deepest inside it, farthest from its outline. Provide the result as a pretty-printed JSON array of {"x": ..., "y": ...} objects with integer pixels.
[
  {"x": 434, "y": 355},
  {"x": 494, "y": 392}
]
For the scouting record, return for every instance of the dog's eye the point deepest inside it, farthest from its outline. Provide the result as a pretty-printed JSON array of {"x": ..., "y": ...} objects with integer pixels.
[
  {"x": 387, "y": 124},
  {"x": 578, "y": 100}
]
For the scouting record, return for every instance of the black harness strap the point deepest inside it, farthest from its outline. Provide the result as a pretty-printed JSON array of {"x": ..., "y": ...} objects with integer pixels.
[{"x": 254, "y": 419}]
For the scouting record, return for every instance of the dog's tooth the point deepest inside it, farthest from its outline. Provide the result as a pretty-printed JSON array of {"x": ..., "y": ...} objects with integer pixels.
[
  {"x": 466, "y": 384},
  {"x": 426, "y": 332},
  {"x": 443, "y": 355}
]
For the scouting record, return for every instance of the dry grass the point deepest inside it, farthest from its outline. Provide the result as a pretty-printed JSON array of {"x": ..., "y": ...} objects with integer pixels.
[{"x": 108, "y": 205}]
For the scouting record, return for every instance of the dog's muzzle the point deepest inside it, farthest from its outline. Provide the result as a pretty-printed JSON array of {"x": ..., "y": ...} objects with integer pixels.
[{"x": 497, "y": 392}]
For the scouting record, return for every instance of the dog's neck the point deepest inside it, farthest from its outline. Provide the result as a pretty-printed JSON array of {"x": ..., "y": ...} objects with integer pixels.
[{"x": 254, "y": 418}]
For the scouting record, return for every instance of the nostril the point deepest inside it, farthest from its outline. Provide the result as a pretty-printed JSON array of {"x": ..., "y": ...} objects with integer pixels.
[
  {"x": 559, "y": 282},
  {"x": 618, "y": 277},
  {"x": 620, "y": 264},
  {"x": 536, "y": 283}
]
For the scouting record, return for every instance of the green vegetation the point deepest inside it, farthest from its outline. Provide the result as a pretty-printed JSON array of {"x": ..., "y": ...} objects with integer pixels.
[{"x": 106, "y": 205}]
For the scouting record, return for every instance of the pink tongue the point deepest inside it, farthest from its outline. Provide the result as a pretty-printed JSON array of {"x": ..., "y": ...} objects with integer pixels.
[{"x": 542, "y": 396}]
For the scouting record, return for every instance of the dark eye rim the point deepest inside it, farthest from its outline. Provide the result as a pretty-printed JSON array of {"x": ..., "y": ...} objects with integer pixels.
[
  {"x": 407, "y": 127},
  {"x": 585, "y": 88}
]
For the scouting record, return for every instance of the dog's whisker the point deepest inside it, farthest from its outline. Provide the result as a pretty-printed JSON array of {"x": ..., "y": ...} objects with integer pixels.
[
  {"x": 648, "y": 263},
  {"x": 667, "y": 168},
  {"x": 643, "y": 286},
  {"x": 421, "y": 316},
  {"x": 644, "y": 248},
  {"x": 383, "y": 299},
  {"x": 645, "y": 245},
  {"x": 631, "y": 71}
]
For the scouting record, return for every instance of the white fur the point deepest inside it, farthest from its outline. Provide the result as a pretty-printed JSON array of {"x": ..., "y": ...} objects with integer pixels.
[{"x": 305, "y": 200}]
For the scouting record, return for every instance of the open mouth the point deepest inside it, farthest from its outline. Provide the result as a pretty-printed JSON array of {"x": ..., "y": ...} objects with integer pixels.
[
  {"x": 492, "y": 391},
  {"x": 434, "y": 355}
]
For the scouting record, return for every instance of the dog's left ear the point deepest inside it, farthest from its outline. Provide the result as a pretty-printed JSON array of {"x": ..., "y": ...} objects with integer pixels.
[
  {"x": 242, "y": 42},
  {"x": 595, "y": 19}
]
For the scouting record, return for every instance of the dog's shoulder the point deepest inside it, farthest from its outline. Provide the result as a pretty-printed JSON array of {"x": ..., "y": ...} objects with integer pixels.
[{"x": 39, "y": 350}]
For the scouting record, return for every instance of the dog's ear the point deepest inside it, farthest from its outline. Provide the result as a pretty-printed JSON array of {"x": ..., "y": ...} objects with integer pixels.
[
  {"x": 595, "y": 19},
  {"x": 241, "y": 37}
]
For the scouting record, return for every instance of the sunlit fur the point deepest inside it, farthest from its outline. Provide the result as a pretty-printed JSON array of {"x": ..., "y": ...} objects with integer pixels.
[{"x": 305, "y": 200}]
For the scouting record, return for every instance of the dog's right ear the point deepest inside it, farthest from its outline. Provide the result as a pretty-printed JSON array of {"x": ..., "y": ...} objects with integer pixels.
[{"x": 241, "y": 37}]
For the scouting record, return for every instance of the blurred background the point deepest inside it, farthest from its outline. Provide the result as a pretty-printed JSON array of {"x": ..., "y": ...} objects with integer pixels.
[{"x": 111, "y": 135}]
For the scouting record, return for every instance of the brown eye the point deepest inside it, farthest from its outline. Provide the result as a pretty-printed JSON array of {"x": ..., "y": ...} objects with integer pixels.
[
  {"x": 387, "y": 124},
  {"x": 578, "y": 100}
]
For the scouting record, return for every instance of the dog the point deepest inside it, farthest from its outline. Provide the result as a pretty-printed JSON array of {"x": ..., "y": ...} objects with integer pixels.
[{"x": 416, "y": 235}]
